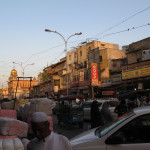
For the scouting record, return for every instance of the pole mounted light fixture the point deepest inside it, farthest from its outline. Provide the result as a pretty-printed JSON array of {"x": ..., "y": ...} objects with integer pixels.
[
  {"x": 66, "y": 43},
  {"x": 23, "y": 68}
]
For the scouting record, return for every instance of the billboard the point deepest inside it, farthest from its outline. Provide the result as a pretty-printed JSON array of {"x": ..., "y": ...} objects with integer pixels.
[
  {"x": 94, "y": 74},
  {"x": 136, "y": 73}
]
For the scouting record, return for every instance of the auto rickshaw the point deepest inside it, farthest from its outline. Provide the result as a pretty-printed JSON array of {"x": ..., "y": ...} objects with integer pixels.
[{"x": 70, "y": 113}]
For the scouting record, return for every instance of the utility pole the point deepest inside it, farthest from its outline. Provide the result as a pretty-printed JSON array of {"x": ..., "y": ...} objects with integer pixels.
[{"x": 66, "y": 44}]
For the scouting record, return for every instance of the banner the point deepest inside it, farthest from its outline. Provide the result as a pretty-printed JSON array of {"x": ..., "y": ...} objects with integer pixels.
[
  {"x": 136, "y": 73},
  {"x": 94, "y": 74},
  {"x": 116, "y": 78}
]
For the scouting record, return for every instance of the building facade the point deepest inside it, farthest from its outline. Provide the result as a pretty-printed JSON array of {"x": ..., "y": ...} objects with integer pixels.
[
  {"x": 88, "y": 68},
  {"x": 19, "y": 87},
  {"x": 136, "y": 74}
]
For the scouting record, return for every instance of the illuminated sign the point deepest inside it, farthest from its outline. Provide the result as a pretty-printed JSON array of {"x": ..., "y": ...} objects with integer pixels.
[
  {"x": 136, "y": 73},
  {"x": 108, "y": 92},
  {"x": 94, "y": 74}
]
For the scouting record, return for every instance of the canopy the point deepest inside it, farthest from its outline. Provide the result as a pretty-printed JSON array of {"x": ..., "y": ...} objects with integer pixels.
[{"x": 134, "y": 93}]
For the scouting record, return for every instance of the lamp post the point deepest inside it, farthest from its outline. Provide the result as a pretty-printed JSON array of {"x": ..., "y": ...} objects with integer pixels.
[
  {"x": 1, "y": 95},
  {"x": 3, "y": 91},
  {"x": 66, "y": 44},
  {"x": 23, "y": 68},
  {"x": 2, "y": 84}
]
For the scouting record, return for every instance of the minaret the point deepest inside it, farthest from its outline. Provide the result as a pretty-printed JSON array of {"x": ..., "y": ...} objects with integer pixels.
[{"x": 13, "y": 75}]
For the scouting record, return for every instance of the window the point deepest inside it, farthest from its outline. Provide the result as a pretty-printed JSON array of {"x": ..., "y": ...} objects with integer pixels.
[
  {"x": 100, "y": 58},
  {"x": 136, "y": 131},
  {"x": 75, "y": 55},
  {"x": 89, "y": 48},
  {"x": 69, "y": 57},
  {"x": 80, "y": 53},
  {"x": 138, "y": 59},
  {"x": 87, "y": 105},
  {"x": 85, "y": 64},
  {"x": 114, "y": 64}
]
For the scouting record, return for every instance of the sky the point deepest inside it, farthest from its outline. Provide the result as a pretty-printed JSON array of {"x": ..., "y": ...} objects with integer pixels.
[{"x": 24, "y": 41}]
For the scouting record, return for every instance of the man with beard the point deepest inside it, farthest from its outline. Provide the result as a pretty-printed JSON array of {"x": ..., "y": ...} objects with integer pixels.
[{"x": 45, "y": 138}]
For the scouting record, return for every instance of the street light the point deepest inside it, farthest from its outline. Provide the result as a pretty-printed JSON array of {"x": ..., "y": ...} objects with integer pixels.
[
  {"x": 2, "y": 84},
  {"x": 3, "y": 92},
  {"x": 66, "y": 42},
  {"x": 23, "y": 68}
]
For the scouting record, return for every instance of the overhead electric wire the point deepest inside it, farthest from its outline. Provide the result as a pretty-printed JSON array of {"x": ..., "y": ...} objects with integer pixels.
[
  {"x": 39, "y": 70},
  {"x": 128, "y": 18},
  {"x": 43, "y": 52},
  {"x": 108, "y": 29},
  {"x": 129, "y": 29},
  {"x": 57, "y": 56}
]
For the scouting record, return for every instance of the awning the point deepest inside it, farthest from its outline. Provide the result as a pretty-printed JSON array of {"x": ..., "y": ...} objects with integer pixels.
[
  {"x": 71, "y": 97},
  {"x": 134, "y": 93}
]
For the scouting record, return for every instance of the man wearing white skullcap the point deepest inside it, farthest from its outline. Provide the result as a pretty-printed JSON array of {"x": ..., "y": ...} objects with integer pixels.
[{"x": 45, "y": 138}]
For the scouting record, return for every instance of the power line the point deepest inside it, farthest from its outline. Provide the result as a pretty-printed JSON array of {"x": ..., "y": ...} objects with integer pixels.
[
  {"x": 128, "y": 18},
  {"x": 129, "y": 29},
  {"x": 42, "y": 52},
  {"x": 57, "y": 56}
]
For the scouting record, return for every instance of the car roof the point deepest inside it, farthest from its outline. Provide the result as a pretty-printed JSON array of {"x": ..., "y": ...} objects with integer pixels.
[
  {"x": 103, "y": 100},
  {"x": 142, "y": 110}
]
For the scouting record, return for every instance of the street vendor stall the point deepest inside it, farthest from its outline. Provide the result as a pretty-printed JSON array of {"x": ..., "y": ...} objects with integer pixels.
[{"x": 137, "y": 95}]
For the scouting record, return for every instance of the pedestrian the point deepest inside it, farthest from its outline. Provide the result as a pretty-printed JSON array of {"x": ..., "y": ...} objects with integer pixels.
[
  {"x": 121, "y": 108},
  {"x": 106, "y": 114},
  {"x": 95, "y": 116},
  {"x": 45, "y": 138}
]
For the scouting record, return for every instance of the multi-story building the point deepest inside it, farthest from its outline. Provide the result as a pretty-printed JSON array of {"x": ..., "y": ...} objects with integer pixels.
[
  {"x": 138, "y": 51},
  {"x": 88, "y": 68},
  {"x": 92, "y": 70},
  {"x": 116, "y": 72},
  {"x": 136, "y": 74},
  {"x": 3, "y": 93},
  {"x": 52, "y": 81}
]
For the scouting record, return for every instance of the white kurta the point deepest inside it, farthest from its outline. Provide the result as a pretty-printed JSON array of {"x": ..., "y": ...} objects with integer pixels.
[{"x": 52, "y": 142}]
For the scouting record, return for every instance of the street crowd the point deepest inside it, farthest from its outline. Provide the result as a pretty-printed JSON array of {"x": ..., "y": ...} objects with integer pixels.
[{"x": 44, "y": 138}]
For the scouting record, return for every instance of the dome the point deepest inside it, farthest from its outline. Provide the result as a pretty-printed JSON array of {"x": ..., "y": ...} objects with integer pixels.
[{"x": 13, "y": 72}]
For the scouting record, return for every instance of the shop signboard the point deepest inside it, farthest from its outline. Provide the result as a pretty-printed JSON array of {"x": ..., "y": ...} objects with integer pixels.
[
  {"x": 116, "y": 78},
  {"x": 81, "y": 76},
  {"x": 55, "y": 88},
  {"x": 94, "y": 74},
  {"x": 141, "y": 72},
  {"x": 108, "y": 92}
]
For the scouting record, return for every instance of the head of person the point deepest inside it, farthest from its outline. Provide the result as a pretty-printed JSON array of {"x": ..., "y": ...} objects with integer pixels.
[
  {"x": 63, "y": 103},
  {"x": 94, "y": 103},
  {"x": 40, "y": 125}
]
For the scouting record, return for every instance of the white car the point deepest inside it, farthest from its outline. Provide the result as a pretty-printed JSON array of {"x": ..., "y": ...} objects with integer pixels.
[
  {"x": 87, "y": 107},
  {"x": 130, "y": 131}
]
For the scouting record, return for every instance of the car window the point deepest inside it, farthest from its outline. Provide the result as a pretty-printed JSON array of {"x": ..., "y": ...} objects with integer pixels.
[
  {"x": 136, "y": 131},
  {"x": 103, "y": 130},
  {"x": 113, "y": 103},
  {"x": 87, "y": 105},
  {"x": 105, "y": 104},
  {"x": 99, "y": 104}
]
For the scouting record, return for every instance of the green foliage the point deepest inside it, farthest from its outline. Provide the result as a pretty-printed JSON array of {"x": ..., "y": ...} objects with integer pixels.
[{"x": 45, "y": 77}]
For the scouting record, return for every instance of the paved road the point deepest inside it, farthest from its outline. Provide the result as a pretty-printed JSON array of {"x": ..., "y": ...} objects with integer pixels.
[{"x": 69, "y": 132}]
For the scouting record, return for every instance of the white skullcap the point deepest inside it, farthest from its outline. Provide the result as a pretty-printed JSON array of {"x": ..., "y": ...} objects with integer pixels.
[{"x": 39, "y": 117}]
